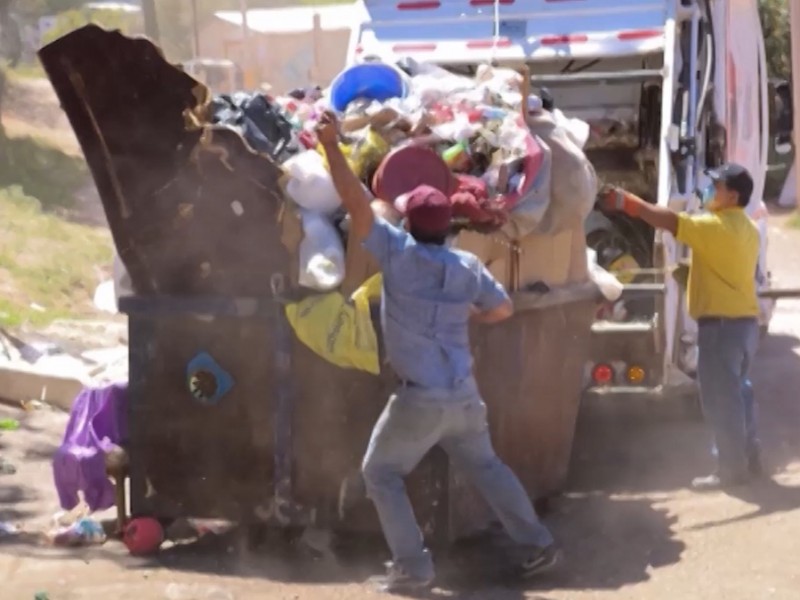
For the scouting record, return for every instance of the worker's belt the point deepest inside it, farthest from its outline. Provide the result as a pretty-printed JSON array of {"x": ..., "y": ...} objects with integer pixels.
[{"x": 704, "y": 321}]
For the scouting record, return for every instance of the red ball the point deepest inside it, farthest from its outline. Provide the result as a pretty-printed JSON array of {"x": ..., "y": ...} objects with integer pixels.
[{"x": 143, "y": 536}]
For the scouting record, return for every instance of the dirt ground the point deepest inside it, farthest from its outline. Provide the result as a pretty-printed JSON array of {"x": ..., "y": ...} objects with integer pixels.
[{"x": 629, "y": 526}]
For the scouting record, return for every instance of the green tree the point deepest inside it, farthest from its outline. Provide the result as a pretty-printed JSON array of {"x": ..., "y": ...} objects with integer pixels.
[{"x": 777, "y": 36}]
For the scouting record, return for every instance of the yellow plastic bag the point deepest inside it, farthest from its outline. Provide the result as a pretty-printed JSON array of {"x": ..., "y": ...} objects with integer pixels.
[
  {"x": 364, "y": 154},
  {"x": 340, "y": 331}
]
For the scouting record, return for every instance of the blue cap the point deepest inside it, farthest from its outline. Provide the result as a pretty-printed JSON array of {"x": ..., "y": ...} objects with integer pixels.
[{"x": 736, "y": 178}]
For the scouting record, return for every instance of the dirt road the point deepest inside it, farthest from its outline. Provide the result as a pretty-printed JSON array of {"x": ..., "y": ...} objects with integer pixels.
[{"x": 630, "y": 528}]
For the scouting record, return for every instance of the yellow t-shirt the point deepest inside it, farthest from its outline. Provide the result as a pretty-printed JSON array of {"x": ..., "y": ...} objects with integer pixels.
[{"x": 725, "y": 248}]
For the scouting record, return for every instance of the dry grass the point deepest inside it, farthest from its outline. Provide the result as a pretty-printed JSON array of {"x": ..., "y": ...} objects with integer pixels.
[{"x": 49, "y": 266}]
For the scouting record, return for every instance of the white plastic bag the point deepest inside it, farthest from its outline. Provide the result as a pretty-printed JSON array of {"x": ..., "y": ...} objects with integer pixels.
[
  {"x": 577, "y": 129},
  {"x": 609, "y": 285},
  {"x": 531, "y": 208},
  {"x": 321, "y": 254},
  {"x": 574, "y": 181},
  {"x": 310, "y": 184}
]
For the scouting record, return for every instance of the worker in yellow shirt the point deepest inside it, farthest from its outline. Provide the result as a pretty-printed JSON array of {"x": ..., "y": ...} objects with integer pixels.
[{"x": 722, "y": 298}]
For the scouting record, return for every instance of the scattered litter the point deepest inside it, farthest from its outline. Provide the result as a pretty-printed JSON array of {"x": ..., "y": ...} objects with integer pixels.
[
  {"x": 32, "y": 405},
  {"x": 66, "y": 518},
  {"x": 9, "y": 424},
  {"x": 212, "y": 526},
  {"x": 85, "y": 532},
  {"x": 8, "y": 530},
  {"x": 7, "y": 468},
  {"x": 105, "y": 297}
]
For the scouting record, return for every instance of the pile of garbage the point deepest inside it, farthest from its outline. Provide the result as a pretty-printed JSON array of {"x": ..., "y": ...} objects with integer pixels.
[
  {"x": 509, "y": 162},
  {"x": 512, "y": 164}
]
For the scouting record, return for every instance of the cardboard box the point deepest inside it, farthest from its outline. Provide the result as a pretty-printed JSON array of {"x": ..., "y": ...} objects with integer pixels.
[
  {"x": 554, "y": 260},
  {"x": 579, "y": 265}
]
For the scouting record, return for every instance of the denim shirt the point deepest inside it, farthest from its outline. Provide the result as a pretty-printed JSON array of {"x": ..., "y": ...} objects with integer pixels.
[{"x": 428, "y": 291}]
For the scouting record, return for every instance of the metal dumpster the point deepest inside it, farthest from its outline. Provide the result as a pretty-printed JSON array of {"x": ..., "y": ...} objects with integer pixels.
[{"x": 276, "y": 433}]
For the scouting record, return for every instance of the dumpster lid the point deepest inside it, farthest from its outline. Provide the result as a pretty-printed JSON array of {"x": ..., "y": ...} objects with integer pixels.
[{"x": 192, "y": 209}]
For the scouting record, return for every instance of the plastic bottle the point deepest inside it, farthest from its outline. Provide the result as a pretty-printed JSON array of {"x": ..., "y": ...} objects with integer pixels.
[
  {"x": 492, "y": 113},
  {"x": 455, "y": 156}
]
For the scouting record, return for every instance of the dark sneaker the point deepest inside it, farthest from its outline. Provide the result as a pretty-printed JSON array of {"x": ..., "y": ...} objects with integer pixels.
[
  {"x": 711, "y": 483},
  {"x": 544, "y": 560},
  {"x": 400, "y": 581}
]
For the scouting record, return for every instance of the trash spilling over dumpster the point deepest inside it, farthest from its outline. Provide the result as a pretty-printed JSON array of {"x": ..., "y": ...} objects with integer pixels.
[
  {"x": 484, "y": 141},
  {"x": 255, "y": 362},
  {"x": 512, "y": 170}
]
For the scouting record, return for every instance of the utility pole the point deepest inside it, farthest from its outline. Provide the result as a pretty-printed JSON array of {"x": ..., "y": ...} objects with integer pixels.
[
  {"x": 794, "y": 26},
  {"x": 246, "y": 57},
  {"x": 151, "y": 21},
  {"x": 196, "y": 28}
]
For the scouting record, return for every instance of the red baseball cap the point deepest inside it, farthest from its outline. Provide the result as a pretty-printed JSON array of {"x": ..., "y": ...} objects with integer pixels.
[{"x": 428, "y": 211}]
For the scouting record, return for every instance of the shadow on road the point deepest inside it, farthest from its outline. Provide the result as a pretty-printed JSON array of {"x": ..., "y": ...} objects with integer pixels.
[
  {"x": 12, "y": 500},
  {"x": 630, "y": 446},
  {"x": 626, "y": 460}
]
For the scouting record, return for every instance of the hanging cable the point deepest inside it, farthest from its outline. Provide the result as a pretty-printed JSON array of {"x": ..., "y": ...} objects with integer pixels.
[{"x": 496, "y": 36}]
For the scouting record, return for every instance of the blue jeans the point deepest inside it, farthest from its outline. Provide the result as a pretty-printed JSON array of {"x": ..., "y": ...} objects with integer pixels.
[
  {"x": 727, "y": 349},
  {"x": 413, "y": 422}
]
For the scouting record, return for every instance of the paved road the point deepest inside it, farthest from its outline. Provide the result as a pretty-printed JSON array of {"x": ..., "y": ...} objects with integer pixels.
[{"x": 630, "y": 527}]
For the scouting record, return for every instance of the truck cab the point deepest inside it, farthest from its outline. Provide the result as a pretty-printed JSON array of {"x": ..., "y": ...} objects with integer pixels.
[{"x": 669, "y": 88}]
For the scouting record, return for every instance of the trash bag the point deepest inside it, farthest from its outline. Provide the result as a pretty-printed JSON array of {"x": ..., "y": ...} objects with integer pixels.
[
  {"x": 531, "y": 208},
  {"x": 338, "y": 330},
  {"x": 258, "y": 121},
  {"x": 321, "y": 254},
  {"x": 363, "y": 151},
  {"x": 609, "y": 285},
  {"x": 309, "y": 183},
  {"x": 574, "y": 183}
]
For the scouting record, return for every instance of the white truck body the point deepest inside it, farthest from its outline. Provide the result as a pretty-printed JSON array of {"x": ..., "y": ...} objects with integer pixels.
[{"x": 670, "y": 87}]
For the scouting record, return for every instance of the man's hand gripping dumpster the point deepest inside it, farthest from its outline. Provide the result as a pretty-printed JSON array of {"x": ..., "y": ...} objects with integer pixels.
[{"x": 430, "y": 293}]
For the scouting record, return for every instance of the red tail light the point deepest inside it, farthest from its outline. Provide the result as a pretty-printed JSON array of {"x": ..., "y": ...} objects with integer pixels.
[{"x": 602, "y": 374}]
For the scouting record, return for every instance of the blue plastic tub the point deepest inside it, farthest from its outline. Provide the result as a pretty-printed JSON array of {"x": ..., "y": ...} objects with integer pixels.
[{"x": 373, "y": 81}]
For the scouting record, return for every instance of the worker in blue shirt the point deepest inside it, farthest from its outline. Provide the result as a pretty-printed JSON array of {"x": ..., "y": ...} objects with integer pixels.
[{"x": 430, "y": 293}]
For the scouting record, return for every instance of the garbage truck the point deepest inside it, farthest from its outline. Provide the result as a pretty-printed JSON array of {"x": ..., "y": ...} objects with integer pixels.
[{"x": 669, "y": 88}]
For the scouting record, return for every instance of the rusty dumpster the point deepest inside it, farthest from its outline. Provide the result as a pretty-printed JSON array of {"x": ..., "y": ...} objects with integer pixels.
[{"x": 276, "y": 433}]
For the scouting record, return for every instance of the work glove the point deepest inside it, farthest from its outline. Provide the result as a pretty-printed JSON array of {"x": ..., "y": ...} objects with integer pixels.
[{"x": 614, "y": 199}]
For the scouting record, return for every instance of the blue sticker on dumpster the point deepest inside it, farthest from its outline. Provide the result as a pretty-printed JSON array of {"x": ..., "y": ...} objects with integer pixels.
[{"x": 207, "y": 381}]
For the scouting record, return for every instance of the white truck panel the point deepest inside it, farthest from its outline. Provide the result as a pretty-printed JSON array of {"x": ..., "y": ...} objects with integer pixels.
[{"x": 461, "y": 31}]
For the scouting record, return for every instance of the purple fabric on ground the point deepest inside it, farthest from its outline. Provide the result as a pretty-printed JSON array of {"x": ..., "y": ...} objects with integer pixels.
[{"x": 97, "y": 422}]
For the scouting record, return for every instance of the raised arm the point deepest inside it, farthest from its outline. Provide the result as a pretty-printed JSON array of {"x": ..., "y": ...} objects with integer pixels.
[
  {"x": 354, "y": 198},
  {"x": 633, "y": 206}
]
